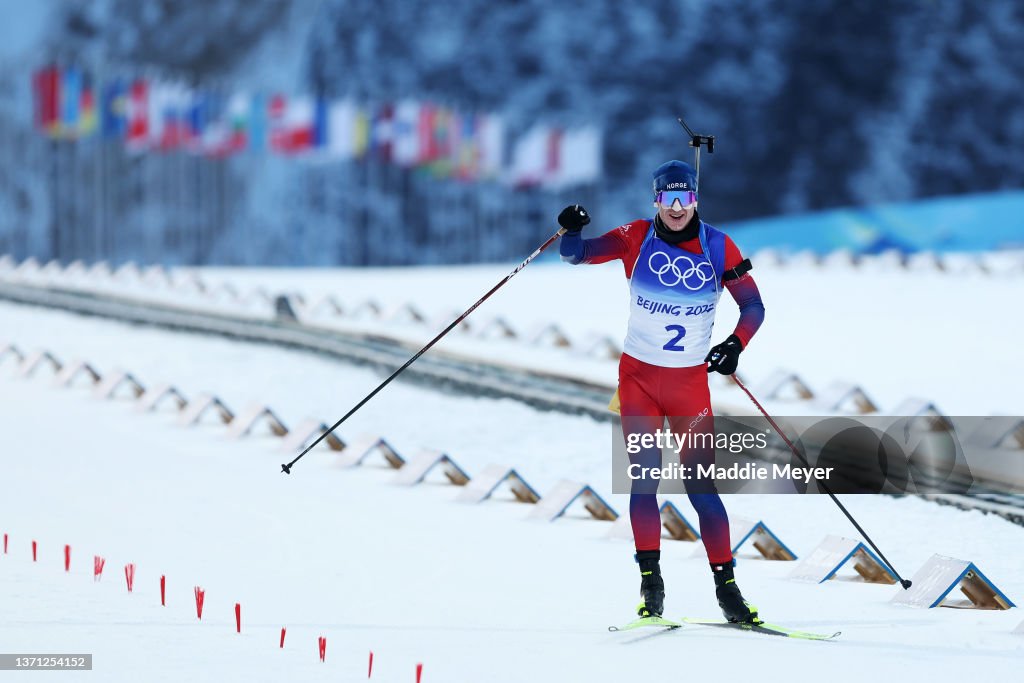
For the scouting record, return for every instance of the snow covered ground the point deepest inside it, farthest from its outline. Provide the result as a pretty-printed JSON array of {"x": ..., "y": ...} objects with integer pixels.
[
  {"x": 473, "y": 592},
  {"x": 407, "y": 573},
  {"x": 299, "y": 385},
  {"x": 897, "y": 332}
]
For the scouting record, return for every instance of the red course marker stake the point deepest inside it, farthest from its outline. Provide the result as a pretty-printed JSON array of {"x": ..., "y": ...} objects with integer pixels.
[
  {"x": 369, "y": 672},
  {"x": 200, "y": 596},
  {"x": 322, "y": 642},
  {"x": 238, "y": 618},
  {"x": 5, "y": 544},
  {"x": 419, "y": 672},
  {"x": 34, "y": 546},
  {"x": 163, "y": 590},
  {"x": 67, "y": 558},
  {"x": 97, "y": 567},
  {"x": 282, "y": 636},
  {"x": 129, "y": 575}
]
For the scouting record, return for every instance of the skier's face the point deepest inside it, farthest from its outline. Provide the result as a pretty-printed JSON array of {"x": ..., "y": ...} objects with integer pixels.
[{"x": 676, "y": 217}]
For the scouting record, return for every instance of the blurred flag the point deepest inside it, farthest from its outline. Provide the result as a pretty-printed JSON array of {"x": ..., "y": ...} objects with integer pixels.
[
  {"x": 341, "y": 116},
  {"x": 169, "y": 102},
  {"x": 360, "y": 133},
  {"x": 491, "y": 137},
  {"x": 553, "y": 163},
  {"x": 299, "y": 120},
  {"x": 530, "y": 158},
  {"x": 46, "y": 91},
  {"x": 291, "y": 124},
  {"x": 425, "y": 133},
  {"x": 320, "y": 124},
  {"x": 275, "y": 111},
  {"x": 296, "y": 131},
  {"x": 137, "y": 132},
  {"x": 213, "y": 131},
  {"x": 113, "y": 109},
  {"x": 156, "y": 101},
  {"x": 238, "y": 112},
  {"x": 466, "y": 148},
  {"x": 580, "y": 156},
  {"x": 70, "y": 101},
  {"x": 406, "y": 148},
  {"x": 382, "y": 132},
  {"x": 196, "y": 119},
  {"x": 276, "y": 107},
  {"x": 217, "y": 138},
  {"x": 216, "y": 141},
  {"x": 87, "y": 108},
  {"x": 441, "y": 143},
  {"x": 257, "y": 123}
]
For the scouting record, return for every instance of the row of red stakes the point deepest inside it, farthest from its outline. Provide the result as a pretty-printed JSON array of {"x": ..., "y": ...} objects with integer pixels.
[{"x": 129, "y": 575}]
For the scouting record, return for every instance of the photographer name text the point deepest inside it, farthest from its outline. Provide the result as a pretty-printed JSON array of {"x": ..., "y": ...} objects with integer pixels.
[{"x": 734, "y": 472}]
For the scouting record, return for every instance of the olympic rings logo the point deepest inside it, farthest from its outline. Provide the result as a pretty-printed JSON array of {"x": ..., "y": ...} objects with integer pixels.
[{"x": 670, "y": 271}]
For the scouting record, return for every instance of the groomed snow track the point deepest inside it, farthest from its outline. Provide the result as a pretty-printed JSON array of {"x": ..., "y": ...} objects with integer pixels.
[{"x": 436, "y": 369}]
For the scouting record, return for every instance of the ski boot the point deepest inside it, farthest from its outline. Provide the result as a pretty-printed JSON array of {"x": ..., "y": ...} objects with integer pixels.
[
  {"x": 734, "y": 607},
  {"x": 652, "y": 587}
]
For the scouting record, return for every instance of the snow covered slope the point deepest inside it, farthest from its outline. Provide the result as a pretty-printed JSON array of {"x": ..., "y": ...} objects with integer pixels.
[
  {"x": 473, "y": 592},
  {"x": 896, "y": 332}
]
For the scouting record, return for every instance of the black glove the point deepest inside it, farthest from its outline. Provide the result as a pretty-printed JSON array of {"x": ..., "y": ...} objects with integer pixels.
[
  {"x": 573, "y": 218},
  {"x": 725, "y": 357}
]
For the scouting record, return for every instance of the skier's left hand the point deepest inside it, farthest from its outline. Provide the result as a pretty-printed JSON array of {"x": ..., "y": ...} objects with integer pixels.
[{"x": 725, "y": 357}]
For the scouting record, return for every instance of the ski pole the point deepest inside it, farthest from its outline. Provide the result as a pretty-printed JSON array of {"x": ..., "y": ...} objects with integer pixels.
[
  {"x": 287, "y": 468},
  {"x": 906, "y": 583}
]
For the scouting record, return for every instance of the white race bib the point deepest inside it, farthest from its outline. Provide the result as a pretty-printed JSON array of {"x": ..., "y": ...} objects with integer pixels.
[{"x": 673, "y": 297}]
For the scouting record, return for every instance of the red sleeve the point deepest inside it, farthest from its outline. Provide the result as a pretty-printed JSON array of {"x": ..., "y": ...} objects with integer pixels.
[
  {"x": 623, "y": 242},
  {"x": 732, "y": 254},
  {"x": 744, "y": 291},
  {"x": 633, "y": 235},
  {"x": 608, "y": 247}
]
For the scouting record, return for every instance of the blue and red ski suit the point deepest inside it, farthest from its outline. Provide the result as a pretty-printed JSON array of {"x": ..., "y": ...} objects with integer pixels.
[{"x": 674, "y": 292}]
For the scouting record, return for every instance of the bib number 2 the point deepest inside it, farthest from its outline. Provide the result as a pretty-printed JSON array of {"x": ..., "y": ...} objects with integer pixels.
[{"x": 673, "y": 344}]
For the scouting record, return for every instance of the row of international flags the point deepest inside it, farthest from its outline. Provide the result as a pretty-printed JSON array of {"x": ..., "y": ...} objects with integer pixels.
[{"x": 160, "y": 115}]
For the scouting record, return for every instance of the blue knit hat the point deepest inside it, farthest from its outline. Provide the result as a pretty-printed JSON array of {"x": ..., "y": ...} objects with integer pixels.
[{"x": 675, "y": 175}]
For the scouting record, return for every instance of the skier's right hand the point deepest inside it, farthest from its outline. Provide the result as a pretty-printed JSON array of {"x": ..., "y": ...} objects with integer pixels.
[{"x": 573, "y": 218}]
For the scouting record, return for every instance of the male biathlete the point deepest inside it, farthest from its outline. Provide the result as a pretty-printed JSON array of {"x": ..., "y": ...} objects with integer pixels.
[{"x": 677, "y": 266}]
